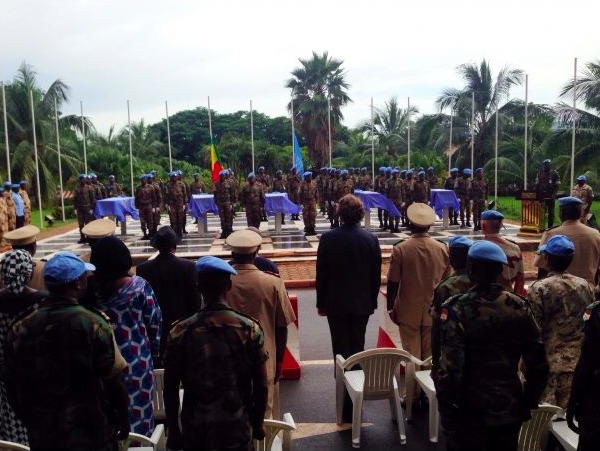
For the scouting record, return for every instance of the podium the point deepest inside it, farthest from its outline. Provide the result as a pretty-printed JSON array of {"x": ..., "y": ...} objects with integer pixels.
[{"x": 533, "y": 213}]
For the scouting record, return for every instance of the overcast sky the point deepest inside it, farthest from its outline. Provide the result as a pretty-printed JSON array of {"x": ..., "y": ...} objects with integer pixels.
[{"x": 235, "y": 51}]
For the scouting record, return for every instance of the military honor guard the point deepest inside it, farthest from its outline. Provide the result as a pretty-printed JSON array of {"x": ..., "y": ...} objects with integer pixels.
[
  {"x": 252, "y": 198},
  {"x": 308, "y": 199},
  {"x": 26, "y": 200},
  {"x": 546, "y": 186},
  {"x": 84, "y": 200},
  {"x": 225, "y": 199},
  {"x": 145, "y": 200},
  {"x": 584, "y": 192}
]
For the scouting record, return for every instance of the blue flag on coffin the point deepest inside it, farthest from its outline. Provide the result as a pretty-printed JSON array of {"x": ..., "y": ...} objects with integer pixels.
[{"x": 298, "y": 164}]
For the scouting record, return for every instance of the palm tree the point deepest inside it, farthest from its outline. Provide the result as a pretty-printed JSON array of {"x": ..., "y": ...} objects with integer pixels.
[
  {"x": 488, "y": 95},
  {"x": 144, "y": 141},
  {"x": 316, "y": 85}
]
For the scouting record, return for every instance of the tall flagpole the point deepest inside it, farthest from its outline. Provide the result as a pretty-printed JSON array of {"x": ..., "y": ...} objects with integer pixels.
[
  {"x": 574, "y": 115},
  {"x": 130, "y": 148},
  {"x": 169, "y": 137},
  {"x": 252, "y": 134},
  {"x": 450, "y": 140},
  {"x": 408, "y": 131},
  {"x": 293, "y": 133},
  {"x": 209, "y": 120},
  {"x": 6, "y": 134},
  {"x": 329, "y": 126},
  {"x": 526, "y": 132},
  {"x": 372, "y": 143},
  {"x": 496, "y": 159},
  {"x": 37, "y": 166},
  {"x": 472, "y": 130},
  {"x": 60, "y": 177},
  {"x": 85, "y": 169}
]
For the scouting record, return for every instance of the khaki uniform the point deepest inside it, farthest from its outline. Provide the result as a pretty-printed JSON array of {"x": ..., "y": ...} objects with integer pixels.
[
  {"x": 449, "y": 184},
  {"x": 27, "y": 204},
  {"x": 224, "y": 198},
  {"x": 263, "y": 297},
  {"x": 558, "y": 303},
  {"x": 586, "y": 194},
  {"x": 84, "y": 199},
  {"x": 158, "y": 203},
  {"x": 145, "y": 199},
  {"x": 3, "y": 218},
  {"x": 422, "y": 192},
  {"x": 432, "y": 180},
  {"x": 197, "y": 187},
  {"x": 175, "y": 200},
  {"x": 293, "y": 186},
  {"x": 461, "y": 188},
  {"x": 308, "y": 199},
  {"x": 515, "y": 261},
  {"x": 419, "y": 264},
  {"x": 11, "y": 211},
  {"x": 252, "y": 199},
  {"x": 586, "y": 260},
  {"x": 478, "y": 194}
]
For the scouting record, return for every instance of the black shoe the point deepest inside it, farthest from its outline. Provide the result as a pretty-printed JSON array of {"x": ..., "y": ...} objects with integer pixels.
[
  {"x": 185, "y": 231},
  {"x": 145, "y": 237},
  {"x": 468, "y": 224},
  {"x": 380, "y": 225}
]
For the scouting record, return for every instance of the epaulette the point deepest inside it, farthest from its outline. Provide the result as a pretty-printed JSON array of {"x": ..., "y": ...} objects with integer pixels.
[
  {"x": 589, "y": 309},
  {"x": 401, "y": 240},
  {"x": 248, "y": 316},
  {"x": 183, "y": 318},
  {"x": 98, "y": 312},
  {"x": 272, "y": 273},
  {"x": 452, "y": 299}
]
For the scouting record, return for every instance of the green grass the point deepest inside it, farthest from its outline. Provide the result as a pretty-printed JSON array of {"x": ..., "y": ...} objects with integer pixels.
[
  {"x": 511, "y": 208},
  {"x": 35, "y": 218}
]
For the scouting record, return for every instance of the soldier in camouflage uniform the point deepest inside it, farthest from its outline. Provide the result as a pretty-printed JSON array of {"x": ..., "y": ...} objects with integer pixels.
[
  {"x": 83, "y": 197},
  {"x": 387, "y": 221},
  {"x": 187, "y": 196},
  {"x": 145, "y": 199},
  {"x": 197, "y": 187},
  {"x": 364, "y": 180},
  {"x": 343, "y": 185},
  {"x": 99, "y": 188},
  {"x": 478, "y": 193},
  {"x": 422, "y": 192},
  {"x": 279, "y": 187},
  {"x": 321, "y": 181},
  {"x": 265, "y": 182},
  {"x": 224, "y": 198},
  {"x": 584, "y": 192},
  {"x": 461, "y": 189},
  {"x": 558, "y": 303},
  {"x": 485, "y": 333},
  {"x": 156, "y": 208},
  {"x": 432, "y": 178},
  {"x": 584, "y": 402},
  {"x": 10, "y": 204},
  {"x": 394, "y": 193},
  {"x": 26, "y": 200},
  {"x": 408, "y": 196},
  {"x": 63, "y": 370},
  {"x": 449, "y": 185},
  {"x": 252, "y": 198},
  {"x": 113, "y": 189},
  {"x": 457, "y": 283},
  {"x": 218, "y": 356},
  {"x": 379, "y": 186},
  {"x": 546, "y": 186},
  {"x": 3, "y": 220},
  {"x": 175, "y": 201},
  {"x": 328, "y": 194},
  {"x": 308, "y": 199},
  {"x": 293, "y": 185}
]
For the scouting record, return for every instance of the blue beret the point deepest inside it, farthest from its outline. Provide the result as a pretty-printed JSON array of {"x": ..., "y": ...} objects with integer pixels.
[
  {"x": 487, "y": 251},
  {"x": 478, "y": 170},
  {"x": 261, "y": 168},
  {"x": 580, "y": 178},
  {"x": 453, "y": 170},
  {"x": 251, "y": 175},
  {"x": 492, "y": 215},
  {"x": 308, "y": 174},
  {"x": 459, "y": 241},
  {"x": 344, "y": 172},
  {"x": 466, "y": 171},
  {"x": 214, "y": 264},
  {"x": 388, "y": 170},
  {"x": 409, "y": 172},
  {"x": 82, "y": 176},
  {"x": 547, "y": 160},
  {"x": 569, "y": 200},
  {"x": 221, "y": 172},
  {"x": 430, "y": 168},
  {"x": 403, "y": 171},
  {"x": 153, "y": 171},
  {"x": 143, "y": 176},
  {"x": 395, "y": 171},
  {"x": 92, "y": 175},
  {"x": 15, "y": 185},
  {"x": 559, "y": 245},
  {"x": 22, "y": 182},
  {"x": 65, "y": 267}
]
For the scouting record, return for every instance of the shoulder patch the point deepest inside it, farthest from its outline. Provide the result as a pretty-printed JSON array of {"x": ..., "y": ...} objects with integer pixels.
[{"x": 589, "y": 309}]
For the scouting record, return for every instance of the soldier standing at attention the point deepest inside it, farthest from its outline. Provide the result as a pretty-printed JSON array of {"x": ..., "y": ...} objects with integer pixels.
[
  {"x": 432, "y": 178},
  {"x": 10, "y": 204},
  {"x": 328, "y": 193},
  {"x": 379, "y": 186},
  {"x": 558, "y": 303},
  {"x": 485, "y": 333},
  {"x": 99, "y": 190},
  {"x": 449, "y": 185},
  {"x": 546, "y": 186},
  {"x": 364, "y": 180},
  {"x": 408, "y": 195},
  {"x": 145, "y": 199},
  {"x": 26, "y": 200},
  {"x": 293, "y": 187},
  {"x": 223, "y": 192},
  {"x": 252, "y": 198},
  {"x": 279, "y": 187},
  {"x": 422, "y": 193},
  {"x": 3, "y": 220},
  {"x": 394, "y": 193},
  {"x": 584, "y": 192},
  {"x": 308, "y": 199},
  {"x": 153, "y": 180},
  {"x": 83, "y": 197},
  {"x": 197, "y": 187},
  {"x": 320, "y": 182},
  {"x": 113, "y": 189},
  {"x": 265, "y": 182},
  {"x": 175, "y": 201},
  {"x": 19, "y": 206},
  {"x": 461, "y": 188},
  {"x": 478, "y": 194},
  {"x": 219, "y": 357}
]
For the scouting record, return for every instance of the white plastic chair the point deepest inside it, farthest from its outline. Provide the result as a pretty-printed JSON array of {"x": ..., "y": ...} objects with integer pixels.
[
  {"x": 271, "y": 441},
  {"x": 158, "y": 402},
  {"x": 4, "y": 445},
  {"x": 410, "y": 381},
  {"x": 565, "y": 436},
  {"x": 157, "y": 442},
  {"x": 375, "y": 380},
  {"x": 533, "y": 430},
  {"x": 426, "y": 383}
]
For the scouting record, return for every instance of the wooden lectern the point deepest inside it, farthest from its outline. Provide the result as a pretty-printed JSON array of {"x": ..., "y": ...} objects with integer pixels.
[{"x": 533, "y": 213}]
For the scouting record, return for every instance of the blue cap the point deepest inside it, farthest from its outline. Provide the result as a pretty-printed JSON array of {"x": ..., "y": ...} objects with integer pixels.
[
  {"x": 430, "y": 168},
  {"x": 7, "y": 184},
  {"x": 251, "y": 175},
  {"x": 569, "y": 200},
  {"x": 453, "y": 170},
  {"x": 15, "y": 185},
  {"x": 65, "y": 267},
  {"x": 459, "y": 241},
  {"x": 547, "y": 160},
  {"x": 478, "y": 170},
  {"x": 214, "y": 264},
  {"x": 487, "y": 251},
  {"x": 409, "y": 172},
  {"x": 580, "y": 178},
  {"x": 395, "y": 171},
  {"x": 421, "y": 173},
  {"x": 221, "y": 172},
  {"x": 382, "y": 169},
  {"x": 22, "y": 182},
  {"x": 153, "y": 171},
  {"x": 466, "y": 171},
  {"x": 558, "y": 245},
  {"x": 82, "y": 176},
  {"x": 308, "y": 174},
  {"x": 143, "y": 176},
  {"x": 492, "y": 215}
]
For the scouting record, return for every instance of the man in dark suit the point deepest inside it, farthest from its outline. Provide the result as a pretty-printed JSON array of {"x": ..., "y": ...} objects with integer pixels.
[
  {"x": 348, "y": 281},
  {"x": 173, "y": 280}
]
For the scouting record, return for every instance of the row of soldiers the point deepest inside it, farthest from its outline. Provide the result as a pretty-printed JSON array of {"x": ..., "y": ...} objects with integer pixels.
[{"x": 15, "y": 207}]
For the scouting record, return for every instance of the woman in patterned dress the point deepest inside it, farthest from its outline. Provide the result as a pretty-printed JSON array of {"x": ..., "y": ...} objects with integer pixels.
[
  {"x": 16, "y": 297},
  {"x": 133, "y": 309}
]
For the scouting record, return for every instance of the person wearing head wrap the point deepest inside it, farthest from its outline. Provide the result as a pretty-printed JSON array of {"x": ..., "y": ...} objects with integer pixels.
[
  {"x": 485, "y": 335},
  {"x": 16, "y": 269},
  {"x": 252, "y": 198},
  {"x": 449, "y": 185},
  {"x": 225, "y": 199},
  {"x": 584, "y": 192},
  {"x": 145, "y": 201},
  {"x": 546, "y": 186},
  {"x": 84, "y": 200},
  {"x": 130, "y": 303},
  {"x": 308, "y": 199}
]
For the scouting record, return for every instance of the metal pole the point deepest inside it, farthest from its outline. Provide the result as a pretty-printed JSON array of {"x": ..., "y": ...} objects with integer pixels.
[
  {"x": 293, "y": 133},
  {"x": 450, "y": 140},
  {"x": 574, "y": 116},
  {"x": 472, "y": 130},
  {"x": 85, "y": 169},
  {"x": 60, "y": 177},
  {"x": 252, "y": 134},
  {"x": 329, "y": 126},
  {"x": 372, "y": 143},
  {"x": 130, "y": 148},
  {"x": 6, "y": 134},
  {"x": 408, "y": 131},
  {"x": 496, "y": 159},
  {"x": 526, "y": 132},
  {"x": 169, "y": 137},
  {"x": 37, "y": 166}
]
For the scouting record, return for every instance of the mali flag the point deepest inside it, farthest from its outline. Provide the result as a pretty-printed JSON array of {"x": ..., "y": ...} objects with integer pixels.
[{"x": 215, "y": 161}]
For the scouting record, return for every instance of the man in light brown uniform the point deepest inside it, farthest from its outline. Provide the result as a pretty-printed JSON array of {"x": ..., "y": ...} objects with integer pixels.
[
  {"x": 26, "y": 201},
  {"x": 583, "y": 191},
  {"x": 263, "y": 297},
  {"x": 586, "y": 260},
  {"x": 417, "y": 266},
  {"x": 513, "y": 273}
]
